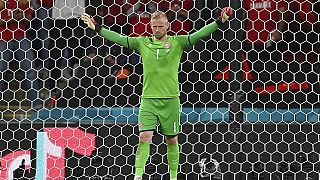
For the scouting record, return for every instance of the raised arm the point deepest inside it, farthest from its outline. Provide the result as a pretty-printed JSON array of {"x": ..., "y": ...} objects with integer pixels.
[
  {"x": 210, "y": 28},
  {"x": 110, "y": 35}
]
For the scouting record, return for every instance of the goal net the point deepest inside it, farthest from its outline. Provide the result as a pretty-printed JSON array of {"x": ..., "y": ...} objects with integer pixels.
[{"x": 70, "y": 98}]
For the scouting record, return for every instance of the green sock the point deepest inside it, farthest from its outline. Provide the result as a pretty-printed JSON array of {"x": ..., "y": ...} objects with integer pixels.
[
  {"x": 173, "y": 159},
  {"x": 142, "y": 155}
]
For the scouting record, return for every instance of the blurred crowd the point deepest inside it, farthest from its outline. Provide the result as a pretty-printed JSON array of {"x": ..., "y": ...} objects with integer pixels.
[{"x": 56, "y": 51}]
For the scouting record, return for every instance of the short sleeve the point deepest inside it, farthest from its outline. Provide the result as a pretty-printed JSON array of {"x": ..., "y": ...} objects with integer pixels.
[{"x": 184, "y": 41}]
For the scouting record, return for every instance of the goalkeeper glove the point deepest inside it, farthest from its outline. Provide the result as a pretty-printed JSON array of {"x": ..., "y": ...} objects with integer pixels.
[
  {"x": 90, "y": 22},
  {"x": 224, "y": 15}
]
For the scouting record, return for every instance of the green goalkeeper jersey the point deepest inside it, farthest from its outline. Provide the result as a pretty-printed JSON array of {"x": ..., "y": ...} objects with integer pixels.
[{"x": 160, "y": 59}]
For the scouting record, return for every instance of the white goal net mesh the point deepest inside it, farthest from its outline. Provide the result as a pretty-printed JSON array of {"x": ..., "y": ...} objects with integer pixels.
[{"x": 249, "y": 92}]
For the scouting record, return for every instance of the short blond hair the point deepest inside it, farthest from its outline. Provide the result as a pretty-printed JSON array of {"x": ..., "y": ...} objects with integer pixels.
[{"x": 159, "y": 15}]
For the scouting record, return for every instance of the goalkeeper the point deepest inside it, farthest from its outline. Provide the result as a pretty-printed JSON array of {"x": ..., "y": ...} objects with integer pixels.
[{"x": 160, "y": 102}]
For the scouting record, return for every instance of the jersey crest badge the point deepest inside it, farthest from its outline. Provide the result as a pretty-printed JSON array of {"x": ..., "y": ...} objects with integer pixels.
[{"x": 167, "y": 45}]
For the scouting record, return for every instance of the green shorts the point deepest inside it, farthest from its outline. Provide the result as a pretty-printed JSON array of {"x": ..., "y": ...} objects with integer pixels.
[{"x": 163, "y": 111}]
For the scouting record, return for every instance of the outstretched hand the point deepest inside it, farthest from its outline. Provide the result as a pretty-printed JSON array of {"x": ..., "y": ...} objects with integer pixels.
[
  {"x": 226, "y": 13},
  {"x": 89, "y": 21}
]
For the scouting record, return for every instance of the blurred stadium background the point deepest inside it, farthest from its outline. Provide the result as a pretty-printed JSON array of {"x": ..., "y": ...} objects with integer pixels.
[{"x": 242, "y": 118}]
